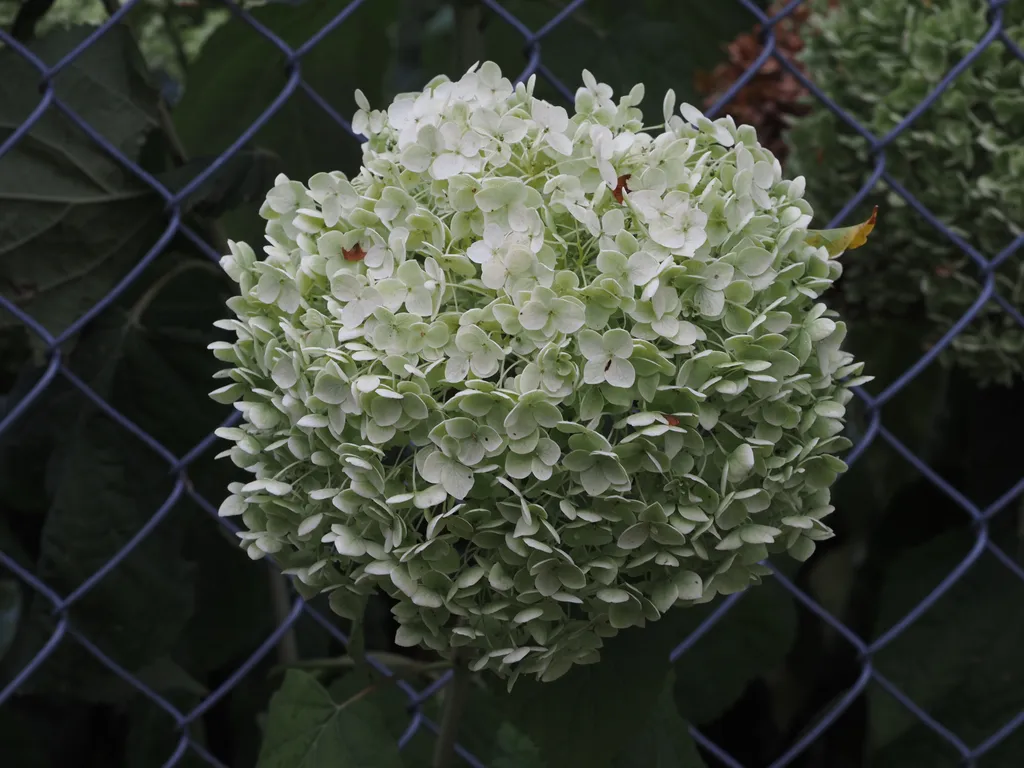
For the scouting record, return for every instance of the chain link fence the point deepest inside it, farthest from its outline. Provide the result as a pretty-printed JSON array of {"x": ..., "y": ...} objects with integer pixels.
[{"x": 179, "y": 465}]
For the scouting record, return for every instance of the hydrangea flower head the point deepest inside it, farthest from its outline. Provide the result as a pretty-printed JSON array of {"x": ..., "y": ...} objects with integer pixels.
[
  {"x": 961, "y": 160},
  {"x": 537, "y": 376}
]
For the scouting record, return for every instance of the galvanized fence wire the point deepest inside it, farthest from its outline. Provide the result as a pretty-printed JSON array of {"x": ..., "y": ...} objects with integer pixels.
[{"x": 178, "y": 466}]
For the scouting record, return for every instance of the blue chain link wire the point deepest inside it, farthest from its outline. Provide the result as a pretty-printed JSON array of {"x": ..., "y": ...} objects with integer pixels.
[{"x": 179, "y": 466}]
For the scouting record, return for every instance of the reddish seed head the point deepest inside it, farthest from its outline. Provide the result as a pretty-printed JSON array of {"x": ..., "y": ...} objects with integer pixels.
[
  {"x": 620, "y": 185},
  {"x": 672, "y": 420},
  {"x": 356, "y": 254}
]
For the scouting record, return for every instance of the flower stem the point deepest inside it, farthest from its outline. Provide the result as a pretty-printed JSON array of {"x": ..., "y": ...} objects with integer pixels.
[
  {"x": 455, "y": 696},
  {"x": 287, "y": 648}
]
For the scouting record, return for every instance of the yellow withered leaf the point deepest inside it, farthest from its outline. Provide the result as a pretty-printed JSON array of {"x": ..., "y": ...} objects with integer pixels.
[{"x": 836, "y": 241}]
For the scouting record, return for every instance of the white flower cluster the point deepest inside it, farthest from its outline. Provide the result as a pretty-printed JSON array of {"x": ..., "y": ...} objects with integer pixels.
[{"x": 538, "y": 377}]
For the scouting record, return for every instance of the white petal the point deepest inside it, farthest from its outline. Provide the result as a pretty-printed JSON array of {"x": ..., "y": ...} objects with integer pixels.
[
  {"x": 591, "y": 344},
  {"x": 690, "y": 113},
  {"x": 593, "y": 371},
  {"x": 686, "y": 335},
  {"x": 620, "y": 373},
  {"x": 534, "y": 316},
  {"x": 392, "y": 292},
  {"x": 416, "y": 158},
  {"x": 456, "y": 479},
  {"x": 667, "y": 233},
  {"x": 447, "y": 165},
  {"x": 607, "y": 173},
  {"x": 354, "y": 314},
  {"x": 484, "y": 364},
  {"x": 479, "y": 252},
  {"x": 710, "y": 303},
  {"x": 561, "y": 143},
  {"x": 642, "y": 268},
  {"x": 420, "y": 302},
  {"x": 493, "y": 274},
  {"x": 456, "y": 369},
  {"x": 570, "y": 318}
]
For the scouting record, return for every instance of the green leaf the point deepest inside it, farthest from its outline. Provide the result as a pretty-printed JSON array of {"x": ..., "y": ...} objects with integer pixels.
[
  {"x": 665, "y": 741},
  {"x": 162, "y": 373},
  {"x": 919, "y": 416},
  {"x": 390, "y": 701},
  {"x": 600, "y": 707},
  {"x": 165, "y": 675},
  {"x": 231, "y": 600},
  {"x": 514, "y": 750},
  {"x": 72, "y": 220},
  {"x": 24, "y": 449},
  {"x": 242, "y": 180},
  {"x": 307, "y": 729},
  {"x": 837, "y": 241},
  {"x": 147, "y": 359},
  {"x": 150, "y": 735},
  {"x": 239, "y": 73},
  {"x": 486, "y": 733},
  {"x": 593, "y": 727},
  {"x": 165, "y": 327},
  {"x": 960, "y": 661},
  {"x": 108, "y": 486},
  {"x": 677, "y": 38},
  {"x": 752, "y": 639}
]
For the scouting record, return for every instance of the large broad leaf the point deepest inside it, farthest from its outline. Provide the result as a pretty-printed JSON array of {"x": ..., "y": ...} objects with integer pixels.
[
  {"x": 919, "y": 416},
  {"x": 665, "y": 742},
  {"x": 961, "y": 661},
  {"x": 594, "y": 726},
  {"x": 600, "y": 708},
  {"x": 162, "y": 379},
  {"x": 307, "y": 729},
  {"x": 105, "y": 485},
  {"x": 752, "y": 639},
  {"x": 392, "y": 704},
  {"x": 72, "y": 219},
  {"x": 239, "y": 73},
  {"x": 232, "y": 596},
  {"x": 485, "y": 732},
  {"x": 243, "y": 180},
  {"x": 164, "y": 370},
  {"x": 108, "y": 488},
  {"x": 514, "y": 750},
  {"x": 587, "y": 716},
  {"x": 660, "y": 43},
  {"x": 148, "y": 357},
  {"x": 150, "y": 734}
]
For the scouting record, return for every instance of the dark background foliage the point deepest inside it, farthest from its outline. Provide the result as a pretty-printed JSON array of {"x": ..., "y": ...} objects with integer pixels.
[{"x": 187, "y": 614}]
